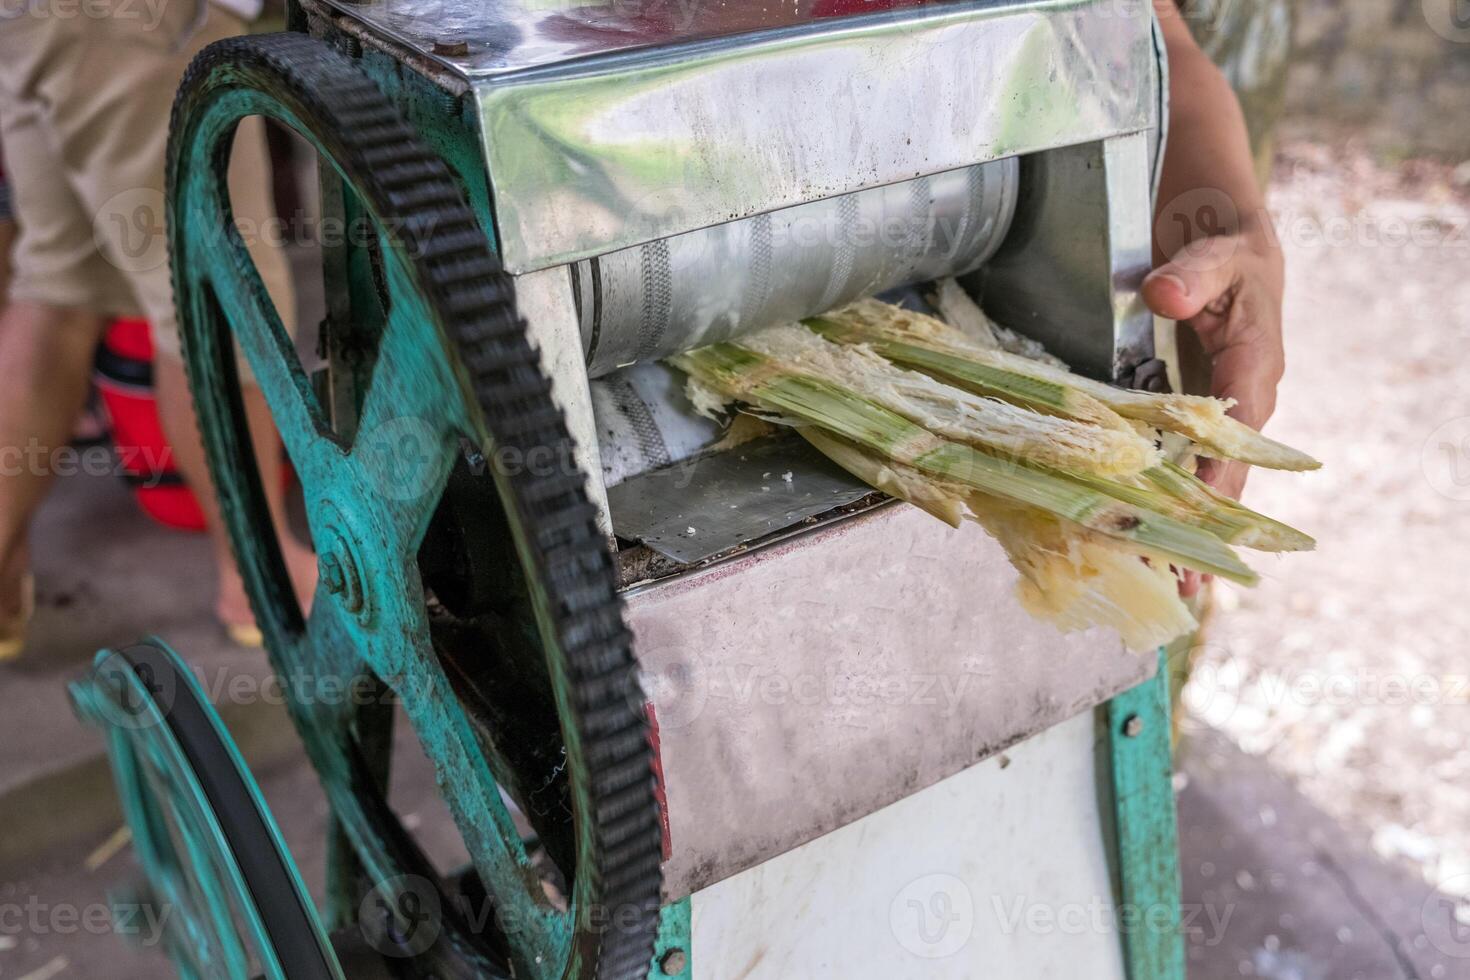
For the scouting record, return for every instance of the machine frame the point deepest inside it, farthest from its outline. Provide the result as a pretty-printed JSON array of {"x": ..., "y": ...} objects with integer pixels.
[{"x": 388, "y": 317}]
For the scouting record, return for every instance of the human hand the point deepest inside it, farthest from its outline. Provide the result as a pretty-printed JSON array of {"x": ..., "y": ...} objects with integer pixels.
[{"x": 1228, "y": 289}]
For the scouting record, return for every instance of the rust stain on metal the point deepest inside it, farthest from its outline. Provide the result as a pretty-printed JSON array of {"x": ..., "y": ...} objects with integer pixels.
[{"x": 755, "y": 961}]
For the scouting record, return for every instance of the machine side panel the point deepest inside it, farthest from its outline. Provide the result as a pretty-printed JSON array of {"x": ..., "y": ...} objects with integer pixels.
[
  {"x": 605, "y": 154},
  {"x": 822, "y": 679}
]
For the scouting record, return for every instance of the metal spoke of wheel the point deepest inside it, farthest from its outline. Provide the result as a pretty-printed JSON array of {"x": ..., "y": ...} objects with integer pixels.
[
  {"x": 465, "y": 777},
  {"x": 227, "y": 287}
]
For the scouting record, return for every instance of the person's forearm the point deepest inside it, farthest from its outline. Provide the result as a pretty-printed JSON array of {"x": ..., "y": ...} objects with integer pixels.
[
  {"x": 1208, "y": 167},
  {"x": 1217, "y": 266}
]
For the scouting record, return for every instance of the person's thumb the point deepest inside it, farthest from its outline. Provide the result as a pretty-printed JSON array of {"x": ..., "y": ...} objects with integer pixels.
[{"x": 1197, "y": 275}]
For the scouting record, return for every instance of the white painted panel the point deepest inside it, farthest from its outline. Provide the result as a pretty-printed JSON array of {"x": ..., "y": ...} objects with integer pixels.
[{"x": 1000, "y": 871}]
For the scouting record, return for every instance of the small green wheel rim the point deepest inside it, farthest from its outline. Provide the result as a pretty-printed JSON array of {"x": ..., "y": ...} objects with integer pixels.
[
  {"x": 478, "y": 591},
  {"x": 212, "y": 855}
]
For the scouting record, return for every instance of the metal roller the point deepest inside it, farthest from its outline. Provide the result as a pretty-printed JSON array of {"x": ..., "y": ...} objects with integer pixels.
[{"x": 656, "y": 299}]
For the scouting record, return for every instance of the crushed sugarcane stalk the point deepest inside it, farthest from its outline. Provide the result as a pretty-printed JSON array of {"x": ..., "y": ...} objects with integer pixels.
[
  {"x": 908, "y": 337},
  {"x": 1063, "y": 471}
]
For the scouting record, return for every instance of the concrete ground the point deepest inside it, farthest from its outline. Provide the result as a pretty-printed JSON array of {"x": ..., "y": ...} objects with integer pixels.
[
  {"x": 1347, "y": 669},
  {"x": 1277, "y": 883},
  {"x": 1276, "y": 888}
]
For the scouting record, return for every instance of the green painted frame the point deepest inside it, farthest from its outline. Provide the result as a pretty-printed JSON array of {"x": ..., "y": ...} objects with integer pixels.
[
  {"x": 1146, "y": 826},
  {"x": 672, "y": 951}
]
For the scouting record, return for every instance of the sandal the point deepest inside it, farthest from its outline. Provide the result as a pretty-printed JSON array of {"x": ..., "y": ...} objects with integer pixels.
[
  {"x": 244, "y": 634},
  {"x": 13, "y": 631}
]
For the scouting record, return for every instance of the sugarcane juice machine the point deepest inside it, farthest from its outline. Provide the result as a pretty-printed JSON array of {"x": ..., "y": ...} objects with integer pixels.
[{"x": 699, "y": 707}]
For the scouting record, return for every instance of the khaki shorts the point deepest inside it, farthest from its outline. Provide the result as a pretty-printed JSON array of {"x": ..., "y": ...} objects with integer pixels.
[{"x": 85, "y": 93}]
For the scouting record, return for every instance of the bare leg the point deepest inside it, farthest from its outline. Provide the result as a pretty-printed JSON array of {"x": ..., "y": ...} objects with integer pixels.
[
  {"x": 176, "y": 409},
  {"x": 46, "y": 361},
  {"x": 7, "y": 242}
]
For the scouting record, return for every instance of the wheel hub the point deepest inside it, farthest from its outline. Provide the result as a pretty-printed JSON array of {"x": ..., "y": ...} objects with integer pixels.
[{"x": 341, "y": 571}]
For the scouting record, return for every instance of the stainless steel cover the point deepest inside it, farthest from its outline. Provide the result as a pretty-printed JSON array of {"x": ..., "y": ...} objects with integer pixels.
[{"x": 614, "y": 123}]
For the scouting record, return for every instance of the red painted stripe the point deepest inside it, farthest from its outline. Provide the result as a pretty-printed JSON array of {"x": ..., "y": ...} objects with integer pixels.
[{"x": 659, "y": 793}]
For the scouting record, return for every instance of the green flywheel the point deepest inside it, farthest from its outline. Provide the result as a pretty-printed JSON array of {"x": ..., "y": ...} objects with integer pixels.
[{"x": 462, "y": 572}]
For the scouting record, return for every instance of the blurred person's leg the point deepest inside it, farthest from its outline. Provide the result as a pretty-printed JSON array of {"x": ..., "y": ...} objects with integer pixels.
[
  {"x": 46, "y": 359},
  {"x": 52, "y": 315},
  {"x": 7, "y": 242},
  {"x": 8, "y": 231},
  {"x": 84, "y": 109},
  {"x": 250, "y": 200},
  {"x": 249, "y": 181},
  {"x": 176, "y": 408}
]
